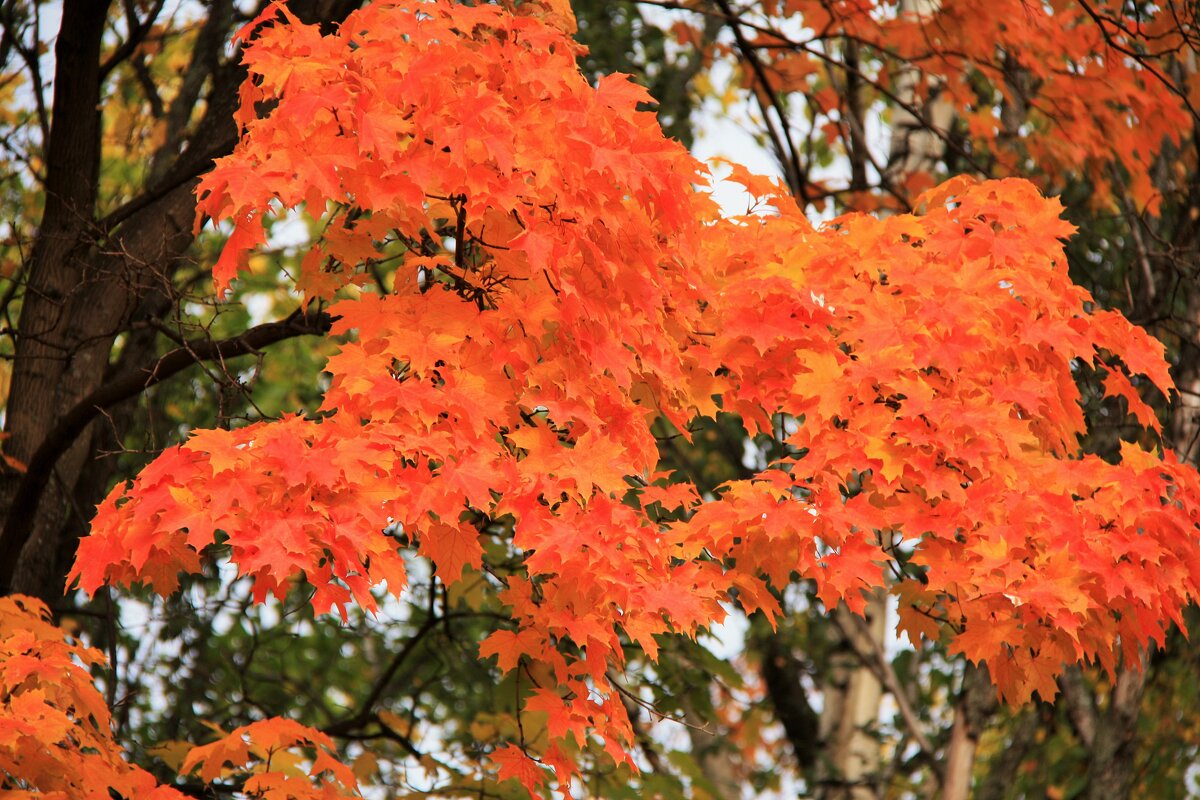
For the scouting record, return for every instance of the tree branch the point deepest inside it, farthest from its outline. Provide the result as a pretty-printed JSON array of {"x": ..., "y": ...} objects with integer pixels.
[
  {"x": 1080, "y": 704},
  {"x": 19, "y": 523},
  {"x": 785, "y": 148},
  {"x": 876, "y": 660}
]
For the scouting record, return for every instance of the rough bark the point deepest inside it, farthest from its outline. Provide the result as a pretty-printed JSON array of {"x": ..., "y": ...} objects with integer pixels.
[
  {"x": 89, "y": 279},
  {"x": 58, "y": 267},
  {"x": 1112, "y": 765},
  {"x": 68, "y": 432}
]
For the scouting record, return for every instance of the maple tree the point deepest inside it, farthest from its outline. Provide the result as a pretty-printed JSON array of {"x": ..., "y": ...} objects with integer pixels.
[
  {"x": 1076, "y": 97},
  {"x": 577, "y": 293},
  {"x": 1066, "y": 89}
]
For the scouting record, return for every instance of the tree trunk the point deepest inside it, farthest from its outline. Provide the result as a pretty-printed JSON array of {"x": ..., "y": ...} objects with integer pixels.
[
  {"x": 850, "y": 764},
  {"x": 43, "y": 374},
  {"x": 974, "y": 707},
  {"x": 852, "y": 691},
  {"x": 90, "y": 279},
  {"x": 1112, "y": 751}
]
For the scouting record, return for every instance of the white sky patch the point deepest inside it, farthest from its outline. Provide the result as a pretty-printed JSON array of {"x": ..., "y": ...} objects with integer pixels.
[{"x": 728, "y": 639}]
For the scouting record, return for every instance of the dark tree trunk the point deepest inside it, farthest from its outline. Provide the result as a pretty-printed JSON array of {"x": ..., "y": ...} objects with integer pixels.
[
  {"x": 90, "y": 279},
  {"x": 48, "y": 366}
]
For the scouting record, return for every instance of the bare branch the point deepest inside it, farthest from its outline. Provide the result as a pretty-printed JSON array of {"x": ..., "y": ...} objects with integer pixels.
[{"x": 19, "y": 524}]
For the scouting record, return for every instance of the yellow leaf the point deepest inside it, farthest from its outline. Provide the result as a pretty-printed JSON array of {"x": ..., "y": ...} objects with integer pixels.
[
  {"x": 365, "y": 766},
  {"x": 396, "y": 722},
  {"x": 171, "y": 752}
]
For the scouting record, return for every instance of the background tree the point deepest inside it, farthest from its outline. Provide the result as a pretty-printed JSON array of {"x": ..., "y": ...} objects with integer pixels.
[{"x": 985, "y": 92}]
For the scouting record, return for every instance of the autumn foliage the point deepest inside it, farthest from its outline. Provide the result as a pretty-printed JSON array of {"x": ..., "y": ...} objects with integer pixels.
[
  {"x": 561, "y": 279},
  {"x": 55, "y": 727},
  {"x": 1051, "y": 90}
]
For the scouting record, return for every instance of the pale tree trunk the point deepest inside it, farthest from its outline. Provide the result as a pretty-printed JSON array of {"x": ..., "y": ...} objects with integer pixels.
[
  {"x": 1185, "y": 422},
  {"x": 849, "y": 768},
  {"x": 852, "y": 691},
  {"x": 918, "y": 146},
  {"x": 919, "y": 128},
  {"x": 972, "y": 709},
  {"x": 840, "y": 754}
]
